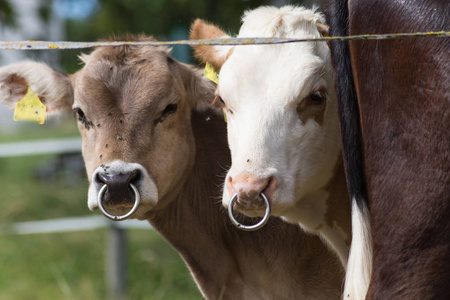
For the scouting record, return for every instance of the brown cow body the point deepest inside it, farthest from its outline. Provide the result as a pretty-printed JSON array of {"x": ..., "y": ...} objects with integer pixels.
[
  {"x": 143, "y": 120},
  {"x": 403, "y": 101}
]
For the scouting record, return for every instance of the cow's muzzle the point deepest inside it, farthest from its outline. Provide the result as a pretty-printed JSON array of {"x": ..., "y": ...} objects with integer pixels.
[{"x": 137, "y": 200}]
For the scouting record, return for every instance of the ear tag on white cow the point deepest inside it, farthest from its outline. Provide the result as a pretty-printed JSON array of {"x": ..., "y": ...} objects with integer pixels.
[
  {"x": 210, "y": 73},
  {"x": 214, "y": 77},
  {"x": 30, "y": 109}
]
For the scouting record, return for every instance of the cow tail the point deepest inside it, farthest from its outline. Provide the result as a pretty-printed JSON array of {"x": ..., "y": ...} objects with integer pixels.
[{"x": 359, "y": 267}]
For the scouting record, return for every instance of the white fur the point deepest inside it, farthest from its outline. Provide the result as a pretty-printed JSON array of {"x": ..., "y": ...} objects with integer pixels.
[
  {"x": 309, "y": 213},
  {"x": 359, "y": 267},
  {"x": 222, "y": 51},
  {"x": 261, "y": 87}
]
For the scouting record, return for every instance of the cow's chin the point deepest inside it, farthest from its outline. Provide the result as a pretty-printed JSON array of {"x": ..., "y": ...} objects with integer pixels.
[
  {"x": 252, "y": 213},
  {"x": 143, "y": 212},
  {"x": 258, "y": 209}
]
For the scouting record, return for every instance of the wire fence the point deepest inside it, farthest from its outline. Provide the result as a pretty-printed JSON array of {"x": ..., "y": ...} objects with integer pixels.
[{"x": 49, "y": 45}]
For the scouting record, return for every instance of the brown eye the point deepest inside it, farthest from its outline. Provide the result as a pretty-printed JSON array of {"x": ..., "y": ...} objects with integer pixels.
[
  {"x": 317, "y": 97},
  {"x": 170, "y": 109},
  {"x": 79, "y": 114},
  {"x": 218, "y": 102}
]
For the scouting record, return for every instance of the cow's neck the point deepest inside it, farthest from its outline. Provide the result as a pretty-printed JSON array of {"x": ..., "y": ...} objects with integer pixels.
[
  {"x": 327, "y": 212},
  {"x": 223, "y": 258},
  {"x": 194, "y": 221},
  {"x": 337, "y": 228}
]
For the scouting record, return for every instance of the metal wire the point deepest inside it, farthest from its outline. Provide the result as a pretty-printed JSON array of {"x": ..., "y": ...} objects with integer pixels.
[{"x": 51, "y": 45}]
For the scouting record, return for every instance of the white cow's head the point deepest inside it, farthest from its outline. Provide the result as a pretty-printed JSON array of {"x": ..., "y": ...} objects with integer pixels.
[
  {"x": 281, "y": 109},
  {"x": 133, "y": 105}
]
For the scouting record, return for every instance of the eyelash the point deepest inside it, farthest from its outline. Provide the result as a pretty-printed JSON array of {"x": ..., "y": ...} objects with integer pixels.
[
  {"x": 79, "y": 114},
  {"x": 317, "y": 97},
  {"x": 170, "y": 109},
  {"x": 220, "y": 104}
]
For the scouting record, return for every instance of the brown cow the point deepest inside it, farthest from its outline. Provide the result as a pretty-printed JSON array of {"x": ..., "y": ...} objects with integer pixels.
[
  {"x": 394, "y": 106},
  {"x": 144, "y": 121}
]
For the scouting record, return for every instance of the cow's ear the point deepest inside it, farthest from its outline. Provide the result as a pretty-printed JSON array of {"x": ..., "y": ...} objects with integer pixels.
[
  {"x": 215, "y": 55},
  {"x": 199, "y": 89},
  {"x": 323, "y": 29},
  {"x": 53, "y": 88}
]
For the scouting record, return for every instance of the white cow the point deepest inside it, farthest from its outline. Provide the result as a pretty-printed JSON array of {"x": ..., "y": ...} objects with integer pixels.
[{"x": 283, "y": 126}]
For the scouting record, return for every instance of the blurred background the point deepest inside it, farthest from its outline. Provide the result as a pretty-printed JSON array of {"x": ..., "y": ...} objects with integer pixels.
[{"x": 51, "y": 245}]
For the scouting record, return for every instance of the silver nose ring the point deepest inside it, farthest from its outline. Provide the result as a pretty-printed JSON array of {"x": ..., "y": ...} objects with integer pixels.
[
  {"x": 137, "y": 201},
  {"x": 256, "y": 226}
]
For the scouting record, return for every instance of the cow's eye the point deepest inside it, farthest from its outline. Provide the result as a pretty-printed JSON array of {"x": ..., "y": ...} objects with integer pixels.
[
  {"x": 170, "y": 109},
  {"x": 218, "y": 102},
  {"x": 79, "y": 114},
  {"x": 317, "y": 97}
]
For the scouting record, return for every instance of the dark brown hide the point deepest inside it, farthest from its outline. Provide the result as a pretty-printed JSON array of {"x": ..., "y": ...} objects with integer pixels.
[{"x": 403, "y": 90}]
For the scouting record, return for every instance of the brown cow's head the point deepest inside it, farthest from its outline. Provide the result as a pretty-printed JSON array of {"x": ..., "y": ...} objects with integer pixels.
[{"x": 133, "y": 105}]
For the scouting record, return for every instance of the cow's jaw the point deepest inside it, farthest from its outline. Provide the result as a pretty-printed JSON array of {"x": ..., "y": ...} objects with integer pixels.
[{"x": 145, "y": 185}]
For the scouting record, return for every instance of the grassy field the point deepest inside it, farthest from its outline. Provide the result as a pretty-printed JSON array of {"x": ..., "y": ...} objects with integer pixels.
[{"x": 71, "y": 265}]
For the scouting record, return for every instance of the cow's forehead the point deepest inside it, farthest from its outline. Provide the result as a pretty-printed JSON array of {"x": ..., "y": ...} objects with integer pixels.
[
  {"x": 144, "y": 60},
  {"x": 276, "y": 73},
  {"x": 118, "y": 78}
]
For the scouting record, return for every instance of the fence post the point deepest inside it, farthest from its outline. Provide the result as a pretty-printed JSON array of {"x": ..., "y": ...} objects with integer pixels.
[{"x": 115, "y": 262}]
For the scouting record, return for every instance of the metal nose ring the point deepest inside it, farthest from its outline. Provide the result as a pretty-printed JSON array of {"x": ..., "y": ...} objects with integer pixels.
[
  {"x": 137, "y": 201},
  {"x": 256, "y": 226}
]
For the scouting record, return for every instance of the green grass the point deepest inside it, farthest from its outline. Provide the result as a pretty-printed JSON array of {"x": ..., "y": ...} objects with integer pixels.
[{"x": 71, "y": 265}]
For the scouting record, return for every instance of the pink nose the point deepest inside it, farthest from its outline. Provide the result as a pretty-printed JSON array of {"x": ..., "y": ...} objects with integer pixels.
[{"x": 248, "y": 187}]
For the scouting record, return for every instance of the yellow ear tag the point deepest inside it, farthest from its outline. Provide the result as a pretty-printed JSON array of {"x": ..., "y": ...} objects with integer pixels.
[
  {"x": 210, "y": 73},
  {"x": 224, "y": 117},
  {"x": 30, "y": 109}
]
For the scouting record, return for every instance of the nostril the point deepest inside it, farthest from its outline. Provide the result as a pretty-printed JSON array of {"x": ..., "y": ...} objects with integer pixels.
[
  {"x": 229, "y": 186},
  {"x": 121, "y": 178},
  {"x": 271, "y": 186},
  {"x": 135, "y": 176},
  {"x": 102, "y": 178}
]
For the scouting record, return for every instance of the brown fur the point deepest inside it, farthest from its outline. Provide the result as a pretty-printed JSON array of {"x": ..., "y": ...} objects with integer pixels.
[
  {"x": 188, "y": 216},
  {"x": 308, "y": 109},
  {"x": 403, "y": 94},
  {"x": 338, "y": 207},
  {"x": 404, "y": 113},
  {"x": 203, "y": 30},
  {"x": 323, "y": 29}
]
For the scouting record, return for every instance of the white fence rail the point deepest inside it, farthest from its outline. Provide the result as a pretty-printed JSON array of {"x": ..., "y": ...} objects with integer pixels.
[
  {"x": 54, "y": 146},
  {"x": 72, "y": 225}
]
